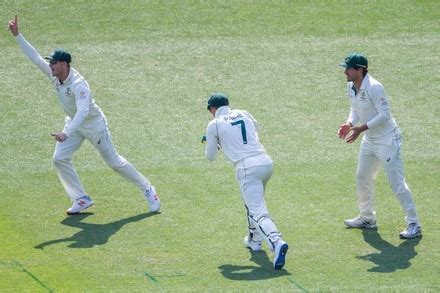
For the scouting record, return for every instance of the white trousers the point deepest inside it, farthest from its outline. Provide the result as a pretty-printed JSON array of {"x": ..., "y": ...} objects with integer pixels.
[
  {"x": 252, "y": 183},
  {"x": 371, "y": 156},
  {"x": 99, "y": 136}
]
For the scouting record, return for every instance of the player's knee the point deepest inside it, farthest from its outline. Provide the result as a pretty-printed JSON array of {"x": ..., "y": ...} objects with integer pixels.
[
  {"x": 116, "y": 163},
  {"x": 260, "y": 217},
  {"x": 115, "y": 166},
  {"x": 400, "y": 188},
  {"x": 362, "y": 178},
  {"x": 58, "y": 161}
]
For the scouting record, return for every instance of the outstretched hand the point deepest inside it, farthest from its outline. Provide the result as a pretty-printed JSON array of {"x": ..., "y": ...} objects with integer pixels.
[{"x": 13, "y": 26}]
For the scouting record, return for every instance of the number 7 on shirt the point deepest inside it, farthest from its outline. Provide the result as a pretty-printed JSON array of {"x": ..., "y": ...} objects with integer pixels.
[{"x": 243, "y": 129}]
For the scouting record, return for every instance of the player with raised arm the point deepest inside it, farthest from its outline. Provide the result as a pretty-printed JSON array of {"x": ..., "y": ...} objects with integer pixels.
[
  {"x": 235, "y": 132},
  {"x": 84, "y": 120}
]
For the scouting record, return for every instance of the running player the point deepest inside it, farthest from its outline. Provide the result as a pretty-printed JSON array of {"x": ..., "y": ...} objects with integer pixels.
[
  {"x": 235, "y": 131},
  {"x": 84, "y": 120}
]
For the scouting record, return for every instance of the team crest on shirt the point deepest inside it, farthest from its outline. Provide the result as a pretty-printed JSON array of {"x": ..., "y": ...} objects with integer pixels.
[
  {"x": 68, "y": 91},
  {"x": 363, "y": 96}
]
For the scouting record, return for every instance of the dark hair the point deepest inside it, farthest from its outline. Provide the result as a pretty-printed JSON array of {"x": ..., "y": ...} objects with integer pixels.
[
  {"x": 217, "y": 100},
  {"x": 364, "y": 69}
]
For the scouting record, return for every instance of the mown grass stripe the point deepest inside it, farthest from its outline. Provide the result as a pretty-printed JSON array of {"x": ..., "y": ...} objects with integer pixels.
[
  {"x": 25, "y": 270},
  {"x": 298, "y": 285},
  {"x": 150, "y": 277}
]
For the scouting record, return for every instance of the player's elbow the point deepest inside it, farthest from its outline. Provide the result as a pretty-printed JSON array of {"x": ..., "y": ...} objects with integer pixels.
[{"x": 383, "y": 118}]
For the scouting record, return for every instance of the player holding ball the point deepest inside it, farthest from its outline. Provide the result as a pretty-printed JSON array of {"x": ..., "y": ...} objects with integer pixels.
[{"x": 381, "y": 145}]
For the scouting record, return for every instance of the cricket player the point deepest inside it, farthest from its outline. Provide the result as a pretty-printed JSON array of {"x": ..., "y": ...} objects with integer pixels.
[
  {"x": 84, "y": 120},
  {"x": 381, "y": 144},
  {"x": 235, "y": 131}
]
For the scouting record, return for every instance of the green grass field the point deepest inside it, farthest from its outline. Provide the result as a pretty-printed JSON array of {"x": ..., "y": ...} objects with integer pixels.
[{"x": 151, "y": 66}]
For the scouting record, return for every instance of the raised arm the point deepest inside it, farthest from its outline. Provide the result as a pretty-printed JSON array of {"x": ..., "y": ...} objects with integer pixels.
[
  {"x": 27, "y": 48},
  {"x": 13, "y": 26}
]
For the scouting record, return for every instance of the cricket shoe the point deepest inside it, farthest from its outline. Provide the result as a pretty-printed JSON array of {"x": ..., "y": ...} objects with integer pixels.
[
  {"x": 279, "y": 260},
  {"x": 80, "y": 204},
  {"x": 251, "y": 244},
  {"x": 412, "y": 231},
  {"x": 360, "y": 222},
  {"x": 152, "y": 199}
]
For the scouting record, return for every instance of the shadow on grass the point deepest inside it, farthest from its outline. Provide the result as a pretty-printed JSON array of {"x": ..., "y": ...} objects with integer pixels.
[
  {"x": 389, "y": 258},
  {"x": 91, "y": 234},
  {"x": 263, "y": 271}
]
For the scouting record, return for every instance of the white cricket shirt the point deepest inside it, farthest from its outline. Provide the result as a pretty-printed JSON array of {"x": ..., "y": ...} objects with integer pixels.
[
  {"x": 370, "y": 105},
  {"x": 235, "y": 131},
  {"x": 74, "y": 95}
]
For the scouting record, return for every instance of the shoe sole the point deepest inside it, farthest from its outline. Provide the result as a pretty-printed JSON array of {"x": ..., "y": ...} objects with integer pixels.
[
  {"x": 281, "y": 260},
  {"x": 252, "y": 249},
  {"x": 82, "y": 209},
  {"x": 360, "y": 227},
  {"x": 415, "y": 236}
]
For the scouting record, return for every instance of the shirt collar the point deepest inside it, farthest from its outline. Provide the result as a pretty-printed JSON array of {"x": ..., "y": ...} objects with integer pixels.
[
  {"x": 223, "y": 110},
  {"x": 364, "y": 82},
  {"x": 68, "y": 77}
]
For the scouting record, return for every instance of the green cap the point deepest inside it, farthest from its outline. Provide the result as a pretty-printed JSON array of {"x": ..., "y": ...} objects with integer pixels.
[
  {"x": 217, "y": 100},
  {"x": 355, "y": 60},
  {"x": 59, "y": 55}
]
